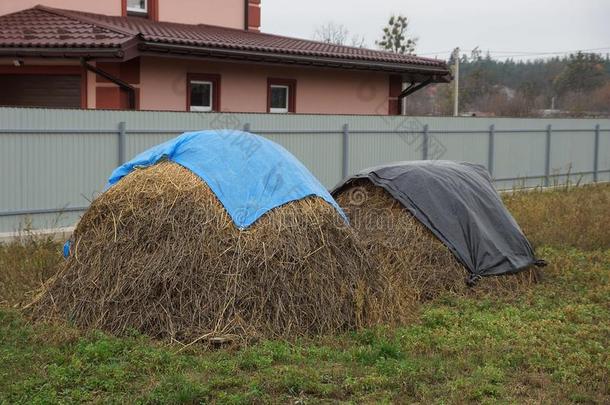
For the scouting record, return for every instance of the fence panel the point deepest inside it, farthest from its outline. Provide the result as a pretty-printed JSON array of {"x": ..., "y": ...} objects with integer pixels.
[
  {"x": 372, "y": 149},
  {"x": 465, "y": 147},
  {"x": 137, "y": 142},
  {"x": 51, "y": 173},
  {"x": 520, "y": 159},
  {"x": 53, "y": 162},
  {"x": 604, "y": 156},
  {"x": 572, "y": 152},
  {"x": 320, "y": 152}
]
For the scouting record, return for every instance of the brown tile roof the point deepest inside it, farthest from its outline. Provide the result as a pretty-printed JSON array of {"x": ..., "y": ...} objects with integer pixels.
[
  {"x": 37, "y": 27},
  {"x": 48, "y": 27}
]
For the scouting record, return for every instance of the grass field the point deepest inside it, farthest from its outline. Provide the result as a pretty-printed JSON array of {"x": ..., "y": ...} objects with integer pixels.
[{"x": 549, "y": 345}]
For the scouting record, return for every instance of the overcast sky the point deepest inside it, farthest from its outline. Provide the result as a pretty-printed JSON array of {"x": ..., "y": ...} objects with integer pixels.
[{"x": 512, "y": 26}]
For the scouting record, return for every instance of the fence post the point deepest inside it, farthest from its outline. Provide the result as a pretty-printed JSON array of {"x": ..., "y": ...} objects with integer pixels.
[
  {"x": 425, "y": 143},
  {"x": 122, "y": 135},
  {"x": 345, "y": 166},
  {"x": 247, "y": 127},
  {"x": 596, "y": 155},
  {"x": 490, "y": 150},
  {"x": 547, "y": 156}
]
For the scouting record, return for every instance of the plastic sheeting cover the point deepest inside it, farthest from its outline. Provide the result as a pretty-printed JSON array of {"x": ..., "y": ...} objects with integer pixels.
[
  {"x": 458, "y": 203},
  {"x": 249, "y": 174}
]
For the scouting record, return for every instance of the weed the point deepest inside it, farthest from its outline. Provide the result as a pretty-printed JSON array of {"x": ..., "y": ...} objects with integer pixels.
[
  {"x": 24, "y": 266},
  {"x": 565, "y": 217}
]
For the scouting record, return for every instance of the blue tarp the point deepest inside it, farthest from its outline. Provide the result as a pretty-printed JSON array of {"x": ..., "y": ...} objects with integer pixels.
[{"x": 249, "y": 174}]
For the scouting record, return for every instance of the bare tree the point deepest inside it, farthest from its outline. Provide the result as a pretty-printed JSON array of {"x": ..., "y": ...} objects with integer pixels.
[
  {"x": 358, "y": 41},
  {"x": 331, "y": 33},
  {"x": 338, "y": 34},
  {"x": 395, "y": 38}
]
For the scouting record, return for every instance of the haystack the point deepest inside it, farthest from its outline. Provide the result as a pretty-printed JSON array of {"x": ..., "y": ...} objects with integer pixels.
[
  {"x": 214, "y": 233},
  {"x": 159, "y": 254},
  {"x": 409, "y": 254}
]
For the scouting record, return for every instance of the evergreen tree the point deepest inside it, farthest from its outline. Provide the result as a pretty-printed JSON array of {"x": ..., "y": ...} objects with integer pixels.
[
  {"x": 395, "y": 37},
  {"x": 584, "y": 72}
]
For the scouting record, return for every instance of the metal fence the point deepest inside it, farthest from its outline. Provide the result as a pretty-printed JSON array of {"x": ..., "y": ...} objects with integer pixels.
[{"x": 54, "y": 162}]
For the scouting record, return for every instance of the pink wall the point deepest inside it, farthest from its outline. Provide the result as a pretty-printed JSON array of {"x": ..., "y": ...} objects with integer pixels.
[
  {"x": 108, "y": 7},
  {"x": 226, "y": 13},
  {"x": 244, "y": 87}
]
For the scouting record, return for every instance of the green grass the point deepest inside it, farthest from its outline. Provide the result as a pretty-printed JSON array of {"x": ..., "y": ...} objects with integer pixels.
[{"x": 549, "y": 345}]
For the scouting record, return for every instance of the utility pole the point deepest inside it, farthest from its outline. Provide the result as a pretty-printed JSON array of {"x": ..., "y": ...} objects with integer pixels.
[{"x": 456, "y": 82}]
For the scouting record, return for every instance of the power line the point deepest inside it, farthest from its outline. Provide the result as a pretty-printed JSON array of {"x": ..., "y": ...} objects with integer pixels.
[
  {"x": 508, "y": 54},
  {"x": 543, "y": 54},
  {"x": 549, "y": 52},
  {"x": 433, "y": 53}
]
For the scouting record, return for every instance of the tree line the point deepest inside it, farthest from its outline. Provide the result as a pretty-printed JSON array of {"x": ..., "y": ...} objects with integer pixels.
[{"x": 574, "y": 85}]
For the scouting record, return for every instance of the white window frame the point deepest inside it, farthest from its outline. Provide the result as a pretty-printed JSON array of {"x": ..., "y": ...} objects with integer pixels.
[
  {"x": 202, "y": 108},
  {"x": 138, "y": 9},
  {"x": 280, "y": 110}
]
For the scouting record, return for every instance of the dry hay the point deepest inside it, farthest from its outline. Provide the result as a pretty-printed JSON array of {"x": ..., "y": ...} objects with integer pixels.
[
  {"x": 158, "y": 253},
  {"x": 409, "y": 254}
]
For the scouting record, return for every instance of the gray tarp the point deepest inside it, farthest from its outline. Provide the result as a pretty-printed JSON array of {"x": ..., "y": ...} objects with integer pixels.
[{"x": 458, "y": 203}]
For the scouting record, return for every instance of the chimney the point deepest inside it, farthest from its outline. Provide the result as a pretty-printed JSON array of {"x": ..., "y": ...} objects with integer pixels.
[{"x": 253, "y": 15}]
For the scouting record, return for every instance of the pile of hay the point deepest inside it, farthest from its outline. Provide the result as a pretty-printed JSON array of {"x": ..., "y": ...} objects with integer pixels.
[
  {"x": 408, "y": 254},
  {"x": 158, "y": 253}
]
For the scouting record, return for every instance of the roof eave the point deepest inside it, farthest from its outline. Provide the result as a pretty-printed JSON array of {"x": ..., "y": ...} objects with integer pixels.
[
  {"x": 47, "y": 52},
  {"x": 439, "y": 74},
  {"x": 132, "y": 48},
  {"x": 121, "y": 52}
]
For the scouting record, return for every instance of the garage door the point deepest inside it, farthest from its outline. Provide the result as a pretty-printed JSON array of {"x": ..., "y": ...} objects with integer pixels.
[{"x": 55, "y": 91}]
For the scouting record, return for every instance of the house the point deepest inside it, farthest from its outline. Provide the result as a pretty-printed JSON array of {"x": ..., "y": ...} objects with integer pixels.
[{"x": 190, "y": 55}]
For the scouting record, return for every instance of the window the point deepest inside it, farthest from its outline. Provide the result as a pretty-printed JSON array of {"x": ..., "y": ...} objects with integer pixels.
[
  {"x": 137, "y": 6},
  {"x": 201, "y": 96},
  {"x": 281, "y": 96},
  {"x": 203, "y": 93},
  {"x": 141, "y": 8},
  {"x": 279, "y": 99}
]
